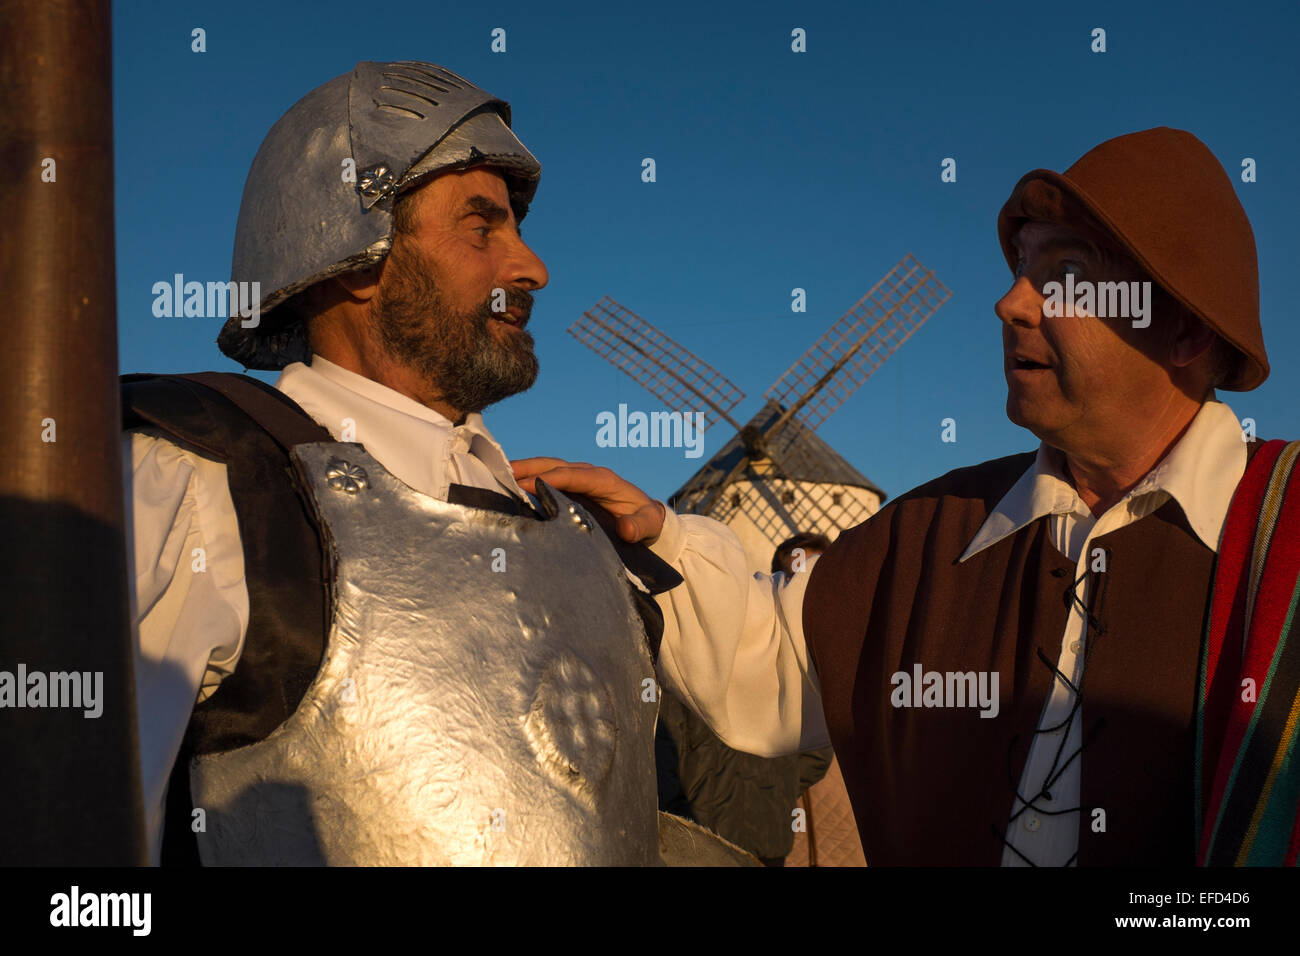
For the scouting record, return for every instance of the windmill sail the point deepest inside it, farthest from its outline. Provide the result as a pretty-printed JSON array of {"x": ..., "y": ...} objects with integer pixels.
[
  {"x": 857, "y": 344},
  {"x": 672, "y": 373}
]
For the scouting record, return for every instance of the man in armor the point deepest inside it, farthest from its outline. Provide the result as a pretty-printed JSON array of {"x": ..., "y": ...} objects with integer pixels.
[{"x": 398, "y": 655}]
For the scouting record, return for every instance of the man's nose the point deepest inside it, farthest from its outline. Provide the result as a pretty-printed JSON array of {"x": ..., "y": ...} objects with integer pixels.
[
  {"x": 525, "y": 268},
  {"x": 1022, "y": 305}
]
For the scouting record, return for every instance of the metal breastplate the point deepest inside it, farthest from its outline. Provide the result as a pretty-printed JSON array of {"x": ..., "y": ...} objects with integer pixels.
[{"x": 481, "y": 698}]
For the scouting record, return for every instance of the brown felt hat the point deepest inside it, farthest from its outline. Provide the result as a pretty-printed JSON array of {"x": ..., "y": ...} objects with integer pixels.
[{"x": 1164, "y": 199}]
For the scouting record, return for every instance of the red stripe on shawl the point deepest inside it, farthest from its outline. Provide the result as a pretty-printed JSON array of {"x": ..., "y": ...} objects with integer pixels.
[{"x": 1222, "y": 734}]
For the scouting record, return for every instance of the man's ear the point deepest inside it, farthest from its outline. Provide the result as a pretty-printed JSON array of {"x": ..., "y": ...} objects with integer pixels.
[
  {"x": 361, "y": 284},
  {"x": 1192, "y": 340}
]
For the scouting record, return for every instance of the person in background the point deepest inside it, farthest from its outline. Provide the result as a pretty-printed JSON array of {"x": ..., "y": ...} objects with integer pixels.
[
  {"x": 828, "y": 835},
  {"x": 754, "y": 801}
]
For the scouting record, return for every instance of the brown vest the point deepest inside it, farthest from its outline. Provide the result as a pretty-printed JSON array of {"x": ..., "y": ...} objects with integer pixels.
[{"x": 936, "y": 786}]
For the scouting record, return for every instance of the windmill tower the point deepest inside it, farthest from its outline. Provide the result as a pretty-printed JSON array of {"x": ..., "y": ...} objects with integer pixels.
[{"x": 775, "y": 477}]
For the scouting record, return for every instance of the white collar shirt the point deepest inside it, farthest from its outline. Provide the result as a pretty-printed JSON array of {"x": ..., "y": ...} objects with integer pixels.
[{"x": 419, "y": 446}]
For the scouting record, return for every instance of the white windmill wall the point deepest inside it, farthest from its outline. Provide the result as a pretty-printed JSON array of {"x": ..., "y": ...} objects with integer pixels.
[{"x": 759, "y": 546}]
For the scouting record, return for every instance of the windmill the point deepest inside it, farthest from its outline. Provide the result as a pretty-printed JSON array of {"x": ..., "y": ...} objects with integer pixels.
[{"x": 775, "y": 477}]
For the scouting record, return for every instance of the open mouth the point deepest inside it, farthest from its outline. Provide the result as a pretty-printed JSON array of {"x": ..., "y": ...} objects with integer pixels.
[
  {"x": 1026, "y": 359},
  {"x": 510, "y": 317}
]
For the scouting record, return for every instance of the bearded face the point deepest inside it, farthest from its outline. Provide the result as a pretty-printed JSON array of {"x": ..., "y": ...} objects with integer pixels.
[{"x": 470, "y": 355}]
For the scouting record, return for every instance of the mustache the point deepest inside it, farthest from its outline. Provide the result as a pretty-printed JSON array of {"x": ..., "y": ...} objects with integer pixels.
[{"x": 520, "y": 299}]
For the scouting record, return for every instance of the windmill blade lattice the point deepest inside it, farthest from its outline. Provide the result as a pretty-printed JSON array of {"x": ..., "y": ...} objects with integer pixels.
[
  {"x": 672, "y": 373},
  {"x": 858, "y": 343}
]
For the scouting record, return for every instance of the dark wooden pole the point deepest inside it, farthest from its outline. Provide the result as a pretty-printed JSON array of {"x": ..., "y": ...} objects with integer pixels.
[{"x": 69, "y": 783}]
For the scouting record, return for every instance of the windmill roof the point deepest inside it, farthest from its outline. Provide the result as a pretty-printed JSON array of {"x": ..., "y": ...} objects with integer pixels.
[{"x": 807, "y": 455}]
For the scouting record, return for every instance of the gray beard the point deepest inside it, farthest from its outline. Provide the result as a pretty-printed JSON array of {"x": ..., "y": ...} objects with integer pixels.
[{"x": 455, "y": 353}]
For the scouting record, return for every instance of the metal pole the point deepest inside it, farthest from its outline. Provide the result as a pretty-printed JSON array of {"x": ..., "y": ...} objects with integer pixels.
[{"x": 70, "y": 780}]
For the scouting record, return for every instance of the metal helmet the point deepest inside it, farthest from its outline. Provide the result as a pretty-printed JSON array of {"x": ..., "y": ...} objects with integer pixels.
[{"x": 319, "y": 197}]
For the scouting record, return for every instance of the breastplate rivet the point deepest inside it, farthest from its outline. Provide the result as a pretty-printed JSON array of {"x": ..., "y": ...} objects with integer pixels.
[
  {"x": 579, "y": 520},
  {"x": 345, "y": 476}
]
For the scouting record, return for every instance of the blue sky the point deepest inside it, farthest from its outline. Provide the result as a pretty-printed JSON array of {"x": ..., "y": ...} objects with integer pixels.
[{"x": 775, "y": 170}]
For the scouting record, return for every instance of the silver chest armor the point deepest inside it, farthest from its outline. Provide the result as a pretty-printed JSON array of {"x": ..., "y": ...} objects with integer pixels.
[{"x": 483, "y": 697}]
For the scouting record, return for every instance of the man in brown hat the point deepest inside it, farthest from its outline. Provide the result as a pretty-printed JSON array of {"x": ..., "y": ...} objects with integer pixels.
[{"x": 1009, "y": 659}]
